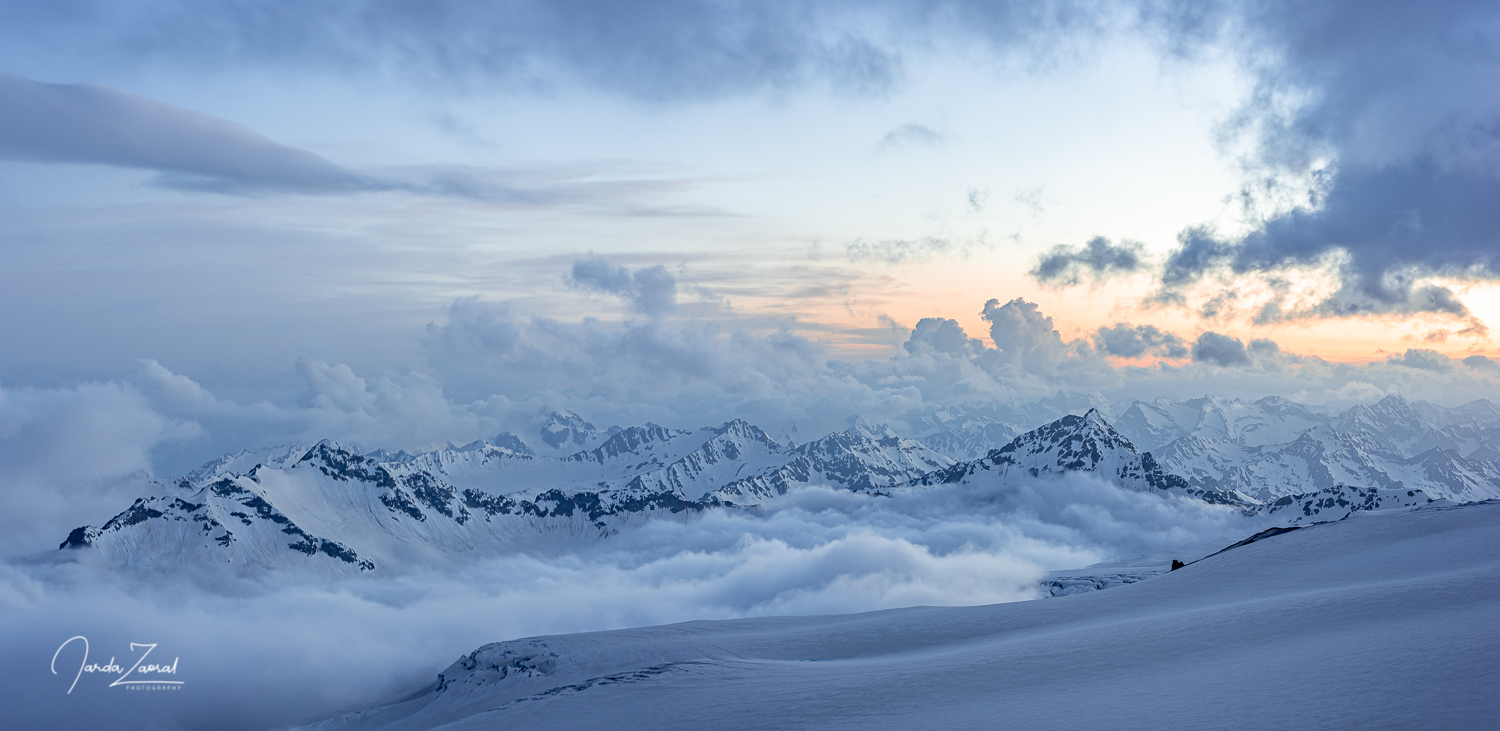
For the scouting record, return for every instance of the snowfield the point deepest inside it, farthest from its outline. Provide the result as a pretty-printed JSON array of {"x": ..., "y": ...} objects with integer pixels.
[{"x": 1385, "y": 619}]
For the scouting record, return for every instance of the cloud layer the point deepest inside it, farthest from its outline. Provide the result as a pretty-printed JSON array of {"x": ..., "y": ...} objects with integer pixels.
[
  {"x": 300, "y": 648},
  {"x": 494, "y": 366}
]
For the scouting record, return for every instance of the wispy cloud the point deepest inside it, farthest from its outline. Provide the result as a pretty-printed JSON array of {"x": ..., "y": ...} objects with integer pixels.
[{"x": 911, "y": 135}]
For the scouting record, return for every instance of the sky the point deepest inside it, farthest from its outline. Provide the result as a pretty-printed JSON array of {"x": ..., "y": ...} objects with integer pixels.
[
  {"x": 228, "y": 225},
  {"x": 402, "y": 224}
]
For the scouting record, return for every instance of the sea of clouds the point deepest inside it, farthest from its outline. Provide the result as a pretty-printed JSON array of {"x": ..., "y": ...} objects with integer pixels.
[{"x": 286, "y": 648}]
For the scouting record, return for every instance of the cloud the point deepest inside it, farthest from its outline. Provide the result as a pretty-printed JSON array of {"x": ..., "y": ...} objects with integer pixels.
[
  {"x": 1220, "y": 350},
  {"x": 659, "y": 50},
  {"x": 1024, "y": 336},
  {"x": 1423, "y": 359},
  {"x": 1475, "y": 328},
  {"x": 72, "y": 454},
  {"x": 1367, "y": 127},
  {"x": 1097, "y": 260},
  {"x": 895, "y": 251},
  {"x": 274, "y": 653},
  {"x": 939, "y": 335},
  {"x": 652, "y": 291},
  {"x": 1482, "y": 363},
  {"x": 1133, "y": 341},
  {"x": 1198, "y": 250},
  {"x": 493, "y": 366},
  {"x": 909, "y": 135},
  {"x": 88, "y": 123}
]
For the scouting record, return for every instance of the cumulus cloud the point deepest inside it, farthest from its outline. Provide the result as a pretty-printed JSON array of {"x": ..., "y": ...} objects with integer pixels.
[
  {"x": 1097, "y": 260},
  {"x": 88, "y": 123},
  {"x": 1024, "y": 335},
  {"x": 258, "y": 655},
  {"x": 1423, "y": 359},
  {"x": 1220, "y": 350},
  {"x": 1133, "y": 341},
  {"x": 1482, "y": 363},
  {"x": 652, "y": 291},
  {"x": 940, "y": 335},
  {"x": 494, "y": 366}
]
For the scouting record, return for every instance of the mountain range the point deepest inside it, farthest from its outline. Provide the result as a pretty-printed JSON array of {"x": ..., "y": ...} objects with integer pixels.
[{"x": 337, "y": 508}]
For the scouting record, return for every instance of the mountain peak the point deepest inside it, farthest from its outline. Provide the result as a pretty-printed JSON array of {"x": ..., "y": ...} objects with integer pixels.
[
  {"x": 1068, "y": 444},
  {"x": 567, "y": 429},
  {"x": 743, "y": 429}
]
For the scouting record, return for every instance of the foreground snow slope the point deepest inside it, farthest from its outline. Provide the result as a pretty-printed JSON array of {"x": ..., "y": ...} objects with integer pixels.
[{"x": 1384, "y": 620}]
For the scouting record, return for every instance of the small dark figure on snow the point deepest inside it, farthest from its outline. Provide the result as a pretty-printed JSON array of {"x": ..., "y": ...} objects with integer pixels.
[{"x": 1177, "y": 564}]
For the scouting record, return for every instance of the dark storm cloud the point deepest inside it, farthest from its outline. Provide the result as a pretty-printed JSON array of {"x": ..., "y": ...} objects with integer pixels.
[
  {"x": 1098, "y": 259},
  {"x": 87, "y": 123},
  {"x": 1133, "y": 341}
]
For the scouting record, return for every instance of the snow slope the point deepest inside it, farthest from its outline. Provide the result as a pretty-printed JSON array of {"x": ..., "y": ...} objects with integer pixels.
[
  {"x": 1271, "y": 420},
  {"x": 1075, "y": 444},
  {"x": 1382, "y": 620},
  {"x": 1273, "y": 447},
  {"x": 333, "y": 509}
]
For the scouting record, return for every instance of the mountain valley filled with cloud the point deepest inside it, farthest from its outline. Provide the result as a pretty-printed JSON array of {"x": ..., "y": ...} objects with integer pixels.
[{"x": 475, "y": 364}]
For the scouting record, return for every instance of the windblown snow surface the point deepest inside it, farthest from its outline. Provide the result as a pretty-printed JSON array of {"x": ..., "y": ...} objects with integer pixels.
[{"x": 1381, "y": 620}]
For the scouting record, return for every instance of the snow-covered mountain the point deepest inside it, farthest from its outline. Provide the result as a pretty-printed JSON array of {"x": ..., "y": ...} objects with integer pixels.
[
  {"x": 964, "y": 434},
  {"x": 1271, "y": 420},
  {"x": 1089, "y": 444},
  {"x": 1383, "y": 621},
  {"x": 341, "y": 509},
  {"x": 1393, "y": 444},
  {"x": 861, "y": 458},
  {"x": 337, "y": 509},
  {"x": 1076, "y": 444}
]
